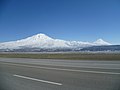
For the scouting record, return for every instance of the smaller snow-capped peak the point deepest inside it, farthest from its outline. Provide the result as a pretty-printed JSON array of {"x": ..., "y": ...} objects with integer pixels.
[{"x": 101, "y": 42}]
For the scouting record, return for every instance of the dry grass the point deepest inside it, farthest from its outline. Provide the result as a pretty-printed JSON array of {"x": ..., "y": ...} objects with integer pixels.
[{"x": 72, "y": 56}]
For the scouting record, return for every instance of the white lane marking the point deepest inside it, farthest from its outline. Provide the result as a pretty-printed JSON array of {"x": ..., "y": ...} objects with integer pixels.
[
  {"x": 39, "y": 80},
  {"x": 71, "y": 70}
]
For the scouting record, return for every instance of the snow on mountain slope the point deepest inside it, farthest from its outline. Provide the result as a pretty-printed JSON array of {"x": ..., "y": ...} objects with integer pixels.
[
  {"x": 44, "y": 41},
  {"x": 101, "y": 42}
]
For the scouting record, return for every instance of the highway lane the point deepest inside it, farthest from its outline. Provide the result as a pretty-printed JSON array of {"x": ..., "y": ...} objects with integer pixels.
[
  {"x": 17, "y": 75},
  {"x": 67, "y": 63}
]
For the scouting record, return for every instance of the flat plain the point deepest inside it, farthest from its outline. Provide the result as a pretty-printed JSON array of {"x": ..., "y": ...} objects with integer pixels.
[{"x": 65, "y": 56}]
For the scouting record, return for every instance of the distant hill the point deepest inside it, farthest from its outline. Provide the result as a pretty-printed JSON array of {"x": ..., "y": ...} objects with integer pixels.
[{"x": 102, "y": 48}]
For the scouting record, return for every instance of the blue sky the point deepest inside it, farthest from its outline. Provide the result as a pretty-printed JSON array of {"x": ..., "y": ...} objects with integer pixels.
[{"x": 84, "y": 20}]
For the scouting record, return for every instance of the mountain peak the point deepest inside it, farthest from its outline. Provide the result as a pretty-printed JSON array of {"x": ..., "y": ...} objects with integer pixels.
[
  {"x": 41, "y": 36},
  {"x": 101, "y": 42}
]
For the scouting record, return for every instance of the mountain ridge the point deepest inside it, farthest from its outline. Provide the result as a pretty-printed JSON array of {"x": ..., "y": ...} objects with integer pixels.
[{"x": 43, "y": 41}]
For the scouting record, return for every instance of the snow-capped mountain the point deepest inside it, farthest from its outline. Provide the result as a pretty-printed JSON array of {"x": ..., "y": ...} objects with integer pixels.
[
  {"x": 101, "y": 42},
  {"x": 44, "y": 41}
]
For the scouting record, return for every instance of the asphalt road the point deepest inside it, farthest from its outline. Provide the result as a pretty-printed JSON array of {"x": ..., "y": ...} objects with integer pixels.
[{"x": 44, "y": 74}]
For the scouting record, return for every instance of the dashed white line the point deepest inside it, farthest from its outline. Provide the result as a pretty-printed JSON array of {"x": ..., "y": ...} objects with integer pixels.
[{"x": 39, "y": 80}]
